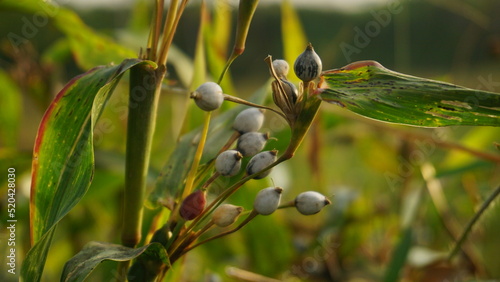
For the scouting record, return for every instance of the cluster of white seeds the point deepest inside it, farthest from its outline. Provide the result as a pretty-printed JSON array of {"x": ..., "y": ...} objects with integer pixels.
[
  {"x": 249, "y": 144},
  {"x": 209, "y": 97}
]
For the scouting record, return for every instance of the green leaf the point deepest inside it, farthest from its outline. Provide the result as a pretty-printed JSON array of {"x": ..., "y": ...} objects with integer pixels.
[
  {"x": 174, "y": 172},
  {"x": 410, "y": 208},
  {"x": 88, "y": 47},
  {"x": 399, "y": 255},
  {"x": 83, "y": 263},
  {"x": 63, "y": 156},
  {"x": 369, "y": 89}
]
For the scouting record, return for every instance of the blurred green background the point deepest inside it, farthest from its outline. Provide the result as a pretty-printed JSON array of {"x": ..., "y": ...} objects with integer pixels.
[{"x": 371, "y": 170}]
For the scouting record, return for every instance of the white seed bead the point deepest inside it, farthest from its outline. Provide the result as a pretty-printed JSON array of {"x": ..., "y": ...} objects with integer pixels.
[
  {"x": 208, "y": 96},
  {"x": 249, "y": 120},
  {"x": 226, "y": 215},
  {"x": 261, "y": 161},
  {"x": 281, "y": 68},
  {"x": 251, "y": 143},
  {"x": 310, "y": 202},
  {"x": 267, "y": 200},
  {"x": 228, "y": 163}
]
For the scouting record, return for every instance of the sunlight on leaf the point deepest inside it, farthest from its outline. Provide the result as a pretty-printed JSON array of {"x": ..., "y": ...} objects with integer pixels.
[
  {"x": 63, "y": 158},
  {"x": 370, "y": 90}
]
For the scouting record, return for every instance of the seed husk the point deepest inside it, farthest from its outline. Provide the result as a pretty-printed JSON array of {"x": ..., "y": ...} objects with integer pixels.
[
  {"x": 226, "y": 214},
  {"x": 291, "y": 91}
]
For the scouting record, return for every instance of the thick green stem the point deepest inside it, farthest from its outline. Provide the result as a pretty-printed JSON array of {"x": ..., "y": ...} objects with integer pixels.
[
  {"x": 144, "y": 92},
  {"x": 143, "y": 102}
]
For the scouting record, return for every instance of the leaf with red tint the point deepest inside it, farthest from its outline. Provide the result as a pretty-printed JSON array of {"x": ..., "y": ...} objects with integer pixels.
[{"x": 63, "y": 156}]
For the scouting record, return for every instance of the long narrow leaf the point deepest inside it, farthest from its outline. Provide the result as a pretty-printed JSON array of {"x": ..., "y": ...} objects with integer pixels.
[
  {"x": 63, "y": 156},
  {"x": 83, "y": 263},
  {"x": 369, "y": 89}
]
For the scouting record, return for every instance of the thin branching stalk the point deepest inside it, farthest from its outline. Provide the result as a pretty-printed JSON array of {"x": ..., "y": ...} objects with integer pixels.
[
  {"x": 191, "y": 177},
  {"x": 251, "y": 216},
  {"x": 197, "y": 157},
  {"x": 449, "y": 222},
  {"x": 246, "y": 11},
  {"x": 154, "y": 35},
  {"x": 168, "y": 31},
  {"x": 471, "y": 223},
  {"x": 245, "y": 102},
  {"x": 173, "y": 17}
]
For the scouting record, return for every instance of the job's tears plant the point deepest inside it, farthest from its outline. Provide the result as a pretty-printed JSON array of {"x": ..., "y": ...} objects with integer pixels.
[{"x": 63, "y": 158}]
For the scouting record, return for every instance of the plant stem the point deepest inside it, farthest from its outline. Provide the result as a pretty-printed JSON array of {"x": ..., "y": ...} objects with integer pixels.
[
  {"x": 243, "y": 223},
  {"x": 173, "y": 17},
  {"x": 143, "y": 103},
  {"x": 449, "y": 222},
  {"x": 246, "y": 10},
  {"x": 155, "y": 30},
  {"x": 245, "y": 102},
  {"x": 197, "y": 157},
  {"x": 473, "y": 221}
]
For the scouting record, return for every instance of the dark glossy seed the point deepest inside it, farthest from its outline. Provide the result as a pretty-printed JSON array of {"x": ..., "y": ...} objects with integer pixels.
[
  {"x": 308, "y": 65},
  {"x": 290, "y": 90}
]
